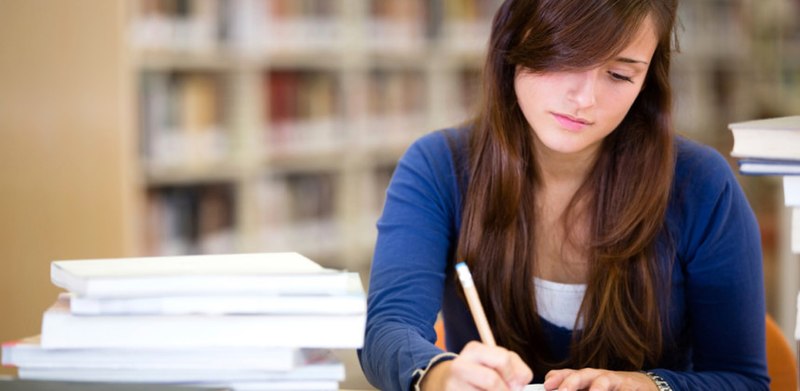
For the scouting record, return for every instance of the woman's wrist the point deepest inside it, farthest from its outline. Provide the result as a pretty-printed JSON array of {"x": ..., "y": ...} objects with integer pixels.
[
  {"x": 428, "y": 375},
  {"x": 435, "y": 375},
  {"x": 661, "y": 384}
]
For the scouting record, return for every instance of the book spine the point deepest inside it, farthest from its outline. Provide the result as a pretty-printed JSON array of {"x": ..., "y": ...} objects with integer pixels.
[
  {"x": 791, "y": 190},
  {"x": 62, "y": 330}
]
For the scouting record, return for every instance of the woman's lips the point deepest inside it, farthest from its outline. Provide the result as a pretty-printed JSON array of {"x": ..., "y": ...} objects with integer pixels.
[{"x": 571, "y": 123}]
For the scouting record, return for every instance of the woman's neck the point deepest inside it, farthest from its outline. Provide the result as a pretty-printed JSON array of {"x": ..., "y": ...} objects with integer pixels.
[{"x": 560, "y": 169}]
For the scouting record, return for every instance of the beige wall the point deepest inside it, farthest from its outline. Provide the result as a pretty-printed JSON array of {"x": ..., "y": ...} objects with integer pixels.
[{"x": 64, "y": 152}]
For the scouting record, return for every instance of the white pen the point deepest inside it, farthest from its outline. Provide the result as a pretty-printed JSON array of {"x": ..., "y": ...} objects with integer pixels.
[{"x": 474, "y": 303}]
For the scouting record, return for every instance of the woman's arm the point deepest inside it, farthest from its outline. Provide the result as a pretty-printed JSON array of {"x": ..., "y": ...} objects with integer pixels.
[
  {"x": 724, "y": 281},
  {"x": 415, "y": 236}
]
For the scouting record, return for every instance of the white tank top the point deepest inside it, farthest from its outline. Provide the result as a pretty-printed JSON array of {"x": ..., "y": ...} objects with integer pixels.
[{"x": 559, "y": 303}]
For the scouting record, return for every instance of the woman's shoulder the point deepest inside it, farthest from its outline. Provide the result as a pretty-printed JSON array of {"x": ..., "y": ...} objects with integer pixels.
[
  {"x": 700, "y": 167},
  {"x": 442, "y": 149},
  {"x": 443, "y": 140},
  {"x": 704, "y": 185}
]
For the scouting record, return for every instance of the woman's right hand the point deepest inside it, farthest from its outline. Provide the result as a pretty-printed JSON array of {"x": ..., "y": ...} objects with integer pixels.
[{"x": 479, "y": 367}]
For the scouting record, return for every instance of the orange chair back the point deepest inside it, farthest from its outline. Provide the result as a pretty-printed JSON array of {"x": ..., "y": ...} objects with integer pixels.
[
  {"x": 439, "y": 327},
  {"x": 781, "y": 362}
]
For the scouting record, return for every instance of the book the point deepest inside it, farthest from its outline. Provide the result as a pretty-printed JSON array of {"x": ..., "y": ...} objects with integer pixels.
[
  {"x": 39, "y": 385},
  {"x": 534, "y": 387},
  {"x": 286, "y": 385},
  {"x": 325, "y": 368},
  {"x": 261, "y": 273},
  {"x": 774, "y": 138},
  {"x": 796, "y": 230},
  {"x": 62, "y": 329},
  {"x": 28, "y": 352},
  {"x": 791, "y": 190},
  {"x": 769, "y": 167},
  {"x": 351, "y": 303}
]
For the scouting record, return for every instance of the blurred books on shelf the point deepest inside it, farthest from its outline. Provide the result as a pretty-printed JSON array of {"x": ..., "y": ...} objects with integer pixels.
[
  {"x": 396, "y": 25},
  {"x": 190, "y": 219},
  {"x": 466, "y": 24},
  {"x": 772, "y": 147},
  {"x": 271, "y": 26},
  {"x": 262, "y": 123},
  {"x": 302, "y": 113},
  {"x": 244, "y": 321},
  {"x": 182, "y": 119}
]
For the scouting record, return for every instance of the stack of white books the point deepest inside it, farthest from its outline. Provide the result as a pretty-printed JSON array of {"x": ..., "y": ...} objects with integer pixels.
[
  {"x": 772, "y": 147},
  {"x": 246, "y": 321}
]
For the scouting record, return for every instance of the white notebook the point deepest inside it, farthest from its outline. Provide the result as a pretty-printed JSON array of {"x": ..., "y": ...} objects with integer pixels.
[
  {"x": 327, "y": 370},
  {"x": 263, "y": 273},
  {"x": 61, "y": 329},
  {"x": 28, "y": 353},
  {"x": 351, "y": 302}
]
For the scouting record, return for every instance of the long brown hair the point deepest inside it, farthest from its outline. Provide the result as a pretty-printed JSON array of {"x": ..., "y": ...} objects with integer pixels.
[{"x": 625, "y": 193}]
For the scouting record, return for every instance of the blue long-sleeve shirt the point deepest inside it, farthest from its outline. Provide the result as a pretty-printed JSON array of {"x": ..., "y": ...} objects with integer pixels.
[{"x": 716, "y": 308}]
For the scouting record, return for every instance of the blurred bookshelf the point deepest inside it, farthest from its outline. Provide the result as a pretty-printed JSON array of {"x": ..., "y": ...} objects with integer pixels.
[
  {"x": 269, "y": 125},
  {"x": 739, "y": 61}
]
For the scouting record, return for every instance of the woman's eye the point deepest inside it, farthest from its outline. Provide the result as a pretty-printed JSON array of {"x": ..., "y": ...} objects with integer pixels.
[{"x": 619, "y": 77}]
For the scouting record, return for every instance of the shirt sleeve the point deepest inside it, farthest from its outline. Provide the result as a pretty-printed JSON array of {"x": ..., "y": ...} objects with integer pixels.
[
  {"x": 722, "y": 264},
  {"x": 415, "y": 236}
]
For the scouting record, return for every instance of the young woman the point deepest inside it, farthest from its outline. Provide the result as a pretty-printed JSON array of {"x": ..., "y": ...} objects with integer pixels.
[{"x": 609, "y": 254}]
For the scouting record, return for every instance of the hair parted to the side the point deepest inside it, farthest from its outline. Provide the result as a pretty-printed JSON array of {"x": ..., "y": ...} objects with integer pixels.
[{"x": 626, "y": 192}]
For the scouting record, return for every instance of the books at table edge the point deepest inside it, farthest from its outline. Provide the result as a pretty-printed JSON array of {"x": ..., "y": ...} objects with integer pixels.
[
  {"x": 791, "y": 191},
  {"x": 297, "y": 385},
  {"x": 325, "y": 369},
  {"x": 791, "y": 122},
  {"x": 769, "y": 167},
  {"x": 217, "y": 305},
  {"x": 795, "y": 239},
  {"x": 61, "y": 329},
  {"x": 287, "y": 385},
  {"x": 351, "y": 302},
  {"x": 261, "y": 273},
  {"x": 13, "y": 384},
  {"x": 16, "y": 384},
  {"x": 28, "y": 352},
  {"x": 766, "y": 138}
]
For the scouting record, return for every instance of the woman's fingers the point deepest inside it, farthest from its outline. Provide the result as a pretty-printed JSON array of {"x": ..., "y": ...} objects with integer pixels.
[
  {"x": 474, "y": 376},
  {"x": 522, "y": 374},
  {"x": 554, "y": 378},
  {"x": 596, "y": 380},
  {"x": 506, "y": 365}
]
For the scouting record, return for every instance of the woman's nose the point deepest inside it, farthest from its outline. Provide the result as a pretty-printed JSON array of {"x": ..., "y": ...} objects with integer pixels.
[{"x": 582, "y": 88}]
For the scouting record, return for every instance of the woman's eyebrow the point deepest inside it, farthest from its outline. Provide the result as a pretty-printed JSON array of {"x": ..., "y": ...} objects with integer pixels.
[{"x": 631, "y": 60}]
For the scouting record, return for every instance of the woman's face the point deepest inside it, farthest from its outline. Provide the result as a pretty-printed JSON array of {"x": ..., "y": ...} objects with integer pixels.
[{"x": 571, "y": 112}]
